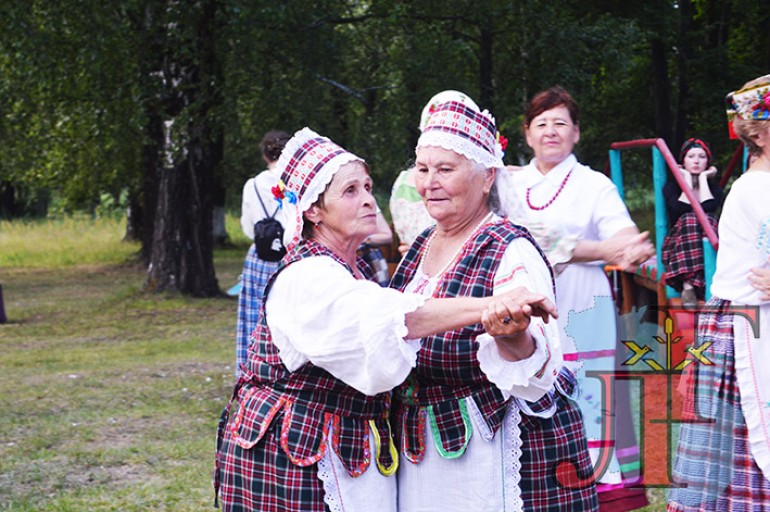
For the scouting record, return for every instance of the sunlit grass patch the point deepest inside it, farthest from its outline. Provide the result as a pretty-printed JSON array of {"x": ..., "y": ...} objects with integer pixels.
[{"x": 64, "y": 242}]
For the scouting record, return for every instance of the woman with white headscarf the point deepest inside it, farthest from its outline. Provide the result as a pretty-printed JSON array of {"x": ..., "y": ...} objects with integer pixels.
[{"x": 485, "y": 419}]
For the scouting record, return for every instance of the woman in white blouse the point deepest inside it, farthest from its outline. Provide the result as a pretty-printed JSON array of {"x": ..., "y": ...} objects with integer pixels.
[
  {"x": 723, "y": 456},
  {"x": 556, "y": 190},
  {"x": 313, "y": 400},
  {"x": 485, "y": 419}
]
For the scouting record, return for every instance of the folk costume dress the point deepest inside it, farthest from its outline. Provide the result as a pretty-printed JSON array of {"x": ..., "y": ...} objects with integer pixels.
[
  {"x": 311, "y": 431},
  {"x": 479, "y": 432},
  {"x": 587, "y": 206},
  {"x": 683, "y": 247},
  {"x": 255, "y": 270},
  {"x": 723, "y": 457}
]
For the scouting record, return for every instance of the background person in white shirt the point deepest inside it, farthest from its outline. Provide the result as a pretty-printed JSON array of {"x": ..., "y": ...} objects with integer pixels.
[{"x": 255, "y": 270}]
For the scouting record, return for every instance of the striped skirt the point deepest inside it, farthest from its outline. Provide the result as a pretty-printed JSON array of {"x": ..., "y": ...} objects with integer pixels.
[
  {"x": 714, "y": 469},
  {"x": 254, "y": 278}
]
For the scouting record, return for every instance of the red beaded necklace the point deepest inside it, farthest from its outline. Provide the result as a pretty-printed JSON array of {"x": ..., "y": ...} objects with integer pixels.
[{"x": 546, "y": 205}]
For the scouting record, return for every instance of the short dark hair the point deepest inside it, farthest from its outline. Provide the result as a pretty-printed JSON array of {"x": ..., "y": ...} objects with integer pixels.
[
  {"x": 273, "y": 143},
  {"x": 548, "y": 99}
]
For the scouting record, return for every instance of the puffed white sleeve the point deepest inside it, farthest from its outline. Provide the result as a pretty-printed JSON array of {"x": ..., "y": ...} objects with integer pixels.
[
  {"x": 354, "y": 329},
  {"x": 529, "y": 378}
]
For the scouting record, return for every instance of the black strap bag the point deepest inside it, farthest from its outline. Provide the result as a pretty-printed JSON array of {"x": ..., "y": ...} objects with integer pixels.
[{"x": 268, "y": 234}]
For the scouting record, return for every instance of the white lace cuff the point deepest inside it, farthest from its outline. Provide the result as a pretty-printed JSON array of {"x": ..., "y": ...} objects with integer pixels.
[{"x": 528, "y": 378}]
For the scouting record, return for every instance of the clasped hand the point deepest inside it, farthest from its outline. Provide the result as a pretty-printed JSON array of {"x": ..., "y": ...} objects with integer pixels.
[
  {"x": 510, "y": 313},
  {"x": 629, "y": 251}
]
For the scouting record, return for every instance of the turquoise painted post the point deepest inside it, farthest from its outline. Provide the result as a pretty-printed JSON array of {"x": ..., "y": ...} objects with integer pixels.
[
  {"x": 709, "y": 264},
  {"x": 616, "y": 172},
  {"x": 661, "y": 216},
  {"x": 745, "y": 158}
]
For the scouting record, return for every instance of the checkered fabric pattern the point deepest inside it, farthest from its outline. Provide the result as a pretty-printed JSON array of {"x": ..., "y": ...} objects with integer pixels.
[
  {"x": 465, "y": 122},
  {"x": 713, "y": 464},
  {"x": 547, "y": 442},
  {"x": 447, "y": 368},
  {"x": 267, "y": 450},
  {"x": 460, "y": 127},
  {"x": 253, "y": 281},
  {"x": 682, "y": 253},
  {"x": 308, "y": 163}
]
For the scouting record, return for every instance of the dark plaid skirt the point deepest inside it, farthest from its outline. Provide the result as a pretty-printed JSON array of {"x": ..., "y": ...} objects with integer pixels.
[
  {"x": 263, "y": 478},
  {"x": 547, "y": 442},
  {"x": 714, "y": 469},
  {"x": 682, "y": 253}
]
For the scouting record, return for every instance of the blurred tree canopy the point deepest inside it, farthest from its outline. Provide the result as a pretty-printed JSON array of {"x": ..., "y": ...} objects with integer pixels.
[{"x": 162, "y": 103}]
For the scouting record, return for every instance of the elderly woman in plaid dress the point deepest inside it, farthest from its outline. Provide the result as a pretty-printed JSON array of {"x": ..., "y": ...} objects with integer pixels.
[
  {"x": 486, "y": 422},
  {"x": 723, "y": 458},
  {"x": 311, "y": 431}
]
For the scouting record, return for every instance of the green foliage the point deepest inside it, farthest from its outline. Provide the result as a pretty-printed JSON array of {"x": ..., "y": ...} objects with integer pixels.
[
  {"x": 68, "y": 89},
  {"x": 78, "y": 80}
]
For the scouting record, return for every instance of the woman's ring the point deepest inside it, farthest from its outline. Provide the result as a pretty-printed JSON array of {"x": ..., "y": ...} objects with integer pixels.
[{"x": 507, "y": 320}]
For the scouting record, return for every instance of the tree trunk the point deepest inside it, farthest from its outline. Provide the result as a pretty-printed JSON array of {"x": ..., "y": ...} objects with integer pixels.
[
  {"x": 486, "y": 54},
  {"x": 683, "y": 90},
  {"x": 168, "y": 237},
  {"x": 142, "y": 203},
  {"x": 182, "y": 254},
  {"x": 7, "y": 200},
  {"x": 661, "y": 90}
]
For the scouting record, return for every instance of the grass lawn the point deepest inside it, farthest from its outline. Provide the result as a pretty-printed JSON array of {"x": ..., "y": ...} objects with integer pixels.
[{"x": 109, "y": 398}]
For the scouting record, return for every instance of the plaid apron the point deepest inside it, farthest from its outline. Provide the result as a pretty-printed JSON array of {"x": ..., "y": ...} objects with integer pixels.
[
  {"x": 714, "y": 468},
  {"x": 682, "y": 253},
  {"x": 448, "y": 371},
  {"x": 267, "y": 451}
]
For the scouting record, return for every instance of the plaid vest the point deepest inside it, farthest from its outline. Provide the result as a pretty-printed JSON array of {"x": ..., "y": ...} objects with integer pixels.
[
  {"x": 309, "y": 398},
  {"x": 447, "y": 369}
]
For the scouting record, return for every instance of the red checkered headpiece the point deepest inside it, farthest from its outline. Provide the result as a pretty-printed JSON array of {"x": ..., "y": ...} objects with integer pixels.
[{"x": 308, "y": 164}]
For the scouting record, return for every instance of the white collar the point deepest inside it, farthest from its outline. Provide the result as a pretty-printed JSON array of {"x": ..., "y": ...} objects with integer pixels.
[{"x": 556, "y": 175}]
